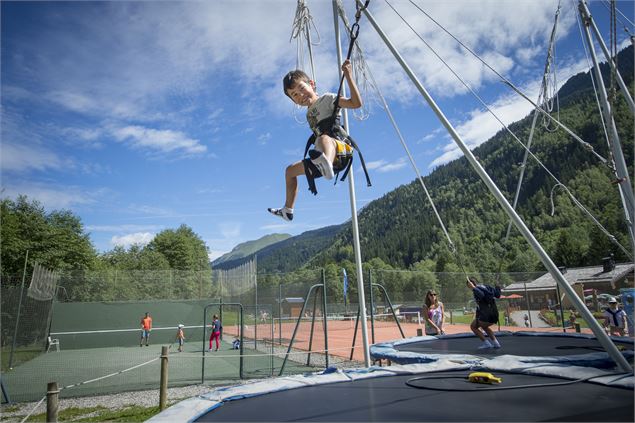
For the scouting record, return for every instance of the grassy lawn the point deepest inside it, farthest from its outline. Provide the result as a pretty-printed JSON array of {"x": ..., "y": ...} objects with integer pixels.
[
  {"x": 551, "y": 316},
  {"x": 467, "y": 318}
]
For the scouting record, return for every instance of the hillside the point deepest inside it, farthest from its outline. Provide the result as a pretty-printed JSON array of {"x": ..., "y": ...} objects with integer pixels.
[
  {"x": 401, "y": 230},
  {"x": 248, "y": 248},
  {"x": 291, "y": 253}
]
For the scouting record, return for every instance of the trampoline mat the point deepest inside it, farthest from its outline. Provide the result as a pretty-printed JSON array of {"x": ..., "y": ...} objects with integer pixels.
[
  {"x": 514, "y": 345},
  {"x": 390, "y": 399}
]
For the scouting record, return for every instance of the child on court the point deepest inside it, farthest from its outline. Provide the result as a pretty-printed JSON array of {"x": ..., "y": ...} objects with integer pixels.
[
  {"x": 330, "y": 150},
  {"x": 216, "y": 328},
  {"x": 486, "y": 312},
  {"x": 146, "y": 328},
  {"x": 180, "y": 337}
]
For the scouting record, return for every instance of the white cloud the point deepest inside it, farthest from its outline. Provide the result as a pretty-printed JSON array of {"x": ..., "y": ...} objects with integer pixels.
[
  {"x": 123, "y": 228},
  {"x": 23, "y": 159},
  {"x": 51, "y": 197},
  {"x": 214, "y": 254},
  {"x": 384, "y": 166},
  {"x": 481, "y": 125},
  {"x": 137, "y": 238},
  {"x": 230, "y": 230},
  {"x": 155, "y": 140},
  {"x": 264, "y": 138}
]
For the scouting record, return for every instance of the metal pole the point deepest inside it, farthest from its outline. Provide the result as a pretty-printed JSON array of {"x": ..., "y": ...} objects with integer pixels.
[
  {"x": 351, "y": 190},
  {"x": 372, "y": 305},
  {"x": 163, "y": 390},
  {"x": 295, "y": 330},
  {"x": 609, "y": 59},
  {"x": 564, "y": 329},
  {"x": 621, "y": 169},
  {"x": 255, "y": 273},
  {"x": 17, "y": 318},
  {"x": 308, "y": 356},
  {"x": 280, "y": 312},
  {"x": 52, "y": 401},
  {"x": 355, "y": 333},
  {"x": 326, "y": 332},
  {"x": 527, "y": 302},
  {"x": 524, "y": 230},
  {"x": 240, "y": 321}
]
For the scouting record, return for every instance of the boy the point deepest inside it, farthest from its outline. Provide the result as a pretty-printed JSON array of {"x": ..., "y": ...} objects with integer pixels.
[
  {"x": 301, "y": 90},
  {"x": 486, "y": 312},
  {"x": 615, "y": 318},
  {"x": 146, "y": 327},
  {"x": 180, "y": 337}
]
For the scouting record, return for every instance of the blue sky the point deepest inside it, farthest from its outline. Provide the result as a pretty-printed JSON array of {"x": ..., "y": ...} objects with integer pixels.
[{"x": 141, "y": 116}]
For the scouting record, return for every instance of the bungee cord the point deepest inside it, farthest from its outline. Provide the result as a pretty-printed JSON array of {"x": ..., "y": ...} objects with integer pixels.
[{"x": 301, "y": 31}]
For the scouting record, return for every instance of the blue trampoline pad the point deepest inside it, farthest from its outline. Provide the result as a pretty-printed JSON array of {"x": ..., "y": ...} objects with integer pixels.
[
  {"x": 514, "y": 343},
  {"x": 391, "y": 399}
]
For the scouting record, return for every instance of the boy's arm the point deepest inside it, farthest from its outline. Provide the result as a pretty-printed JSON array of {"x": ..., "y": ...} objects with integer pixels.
[{"x": 355, "y": 100}]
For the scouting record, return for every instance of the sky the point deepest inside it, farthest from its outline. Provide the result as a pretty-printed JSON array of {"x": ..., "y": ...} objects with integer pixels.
[{"x": 140, "y": 116}]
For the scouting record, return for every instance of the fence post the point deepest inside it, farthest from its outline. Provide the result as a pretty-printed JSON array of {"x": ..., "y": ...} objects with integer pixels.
[
  {"x": 52, "y": 402},
  {"x": 163, "y": 392}
]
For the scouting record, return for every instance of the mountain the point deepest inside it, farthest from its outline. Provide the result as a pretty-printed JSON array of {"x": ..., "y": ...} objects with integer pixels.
[
  {"x": 400, "y": 229},
  {"x": 248, "y": 248}
]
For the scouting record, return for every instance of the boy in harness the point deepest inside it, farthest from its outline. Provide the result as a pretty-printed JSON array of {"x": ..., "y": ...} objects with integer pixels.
[
  {"x": 486, "y": 312},
  {"x": 333, "y": 147}
]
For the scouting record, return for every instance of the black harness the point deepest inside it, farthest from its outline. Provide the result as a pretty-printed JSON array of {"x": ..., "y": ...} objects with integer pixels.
[{"x": 331, "y": 127}]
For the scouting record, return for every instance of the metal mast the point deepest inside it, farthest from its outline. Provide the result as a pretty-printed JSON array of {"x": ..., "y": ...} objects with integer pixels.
[
  {"x": 621, "y": 169},
  {"x": 351, "y": 190}
]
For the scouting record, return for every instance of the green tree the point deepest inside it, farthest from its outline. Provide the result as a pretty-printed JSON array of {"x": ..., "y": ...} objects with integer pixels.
[{"x": 56, "y": 240}]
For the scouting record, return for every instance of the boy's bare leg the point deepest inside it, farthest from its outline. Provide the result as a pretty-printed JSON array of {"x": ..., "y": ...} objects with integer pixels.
[
  {"x": 475, "y": 328},
  {"x": 291, "y": 178}
]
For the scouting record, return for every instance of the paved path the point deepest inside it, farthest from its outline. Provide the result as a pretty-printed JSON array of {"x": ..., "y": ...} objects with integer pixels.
[{"x": 536, "y": 322}]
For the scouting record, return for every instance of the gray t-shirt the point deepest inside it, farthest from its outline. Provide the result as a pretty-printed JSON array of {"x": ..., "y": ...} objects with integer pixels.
[{"x": 320, "y": 110}]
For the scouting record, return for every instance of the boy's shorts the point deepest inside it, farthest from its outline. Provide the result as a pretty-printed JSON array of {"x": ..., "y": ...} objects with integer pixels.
[
  {"x": 180, "y": 342},
  {"x": 145, "y": 333}
]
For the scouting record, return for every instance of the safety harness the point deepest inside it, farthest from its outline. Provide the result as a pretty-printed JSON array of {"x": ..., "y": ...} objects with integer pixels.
[
  {"x": 343, "y": 156},
  {"x": 331, "y": 126}
]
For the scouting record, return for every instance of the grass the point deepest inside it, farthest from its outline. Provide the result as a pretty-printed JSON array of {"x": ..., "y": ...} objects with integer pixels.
[
  {"x": 467, "y": 318},
  {"x": 551, "y": 317},
  {"x": 130, "y": 413}
]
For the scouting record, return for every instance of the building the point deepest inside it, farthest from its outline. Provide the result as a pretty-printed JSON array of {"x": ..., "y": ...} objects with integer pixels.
[{"x": 592, "y": 281}]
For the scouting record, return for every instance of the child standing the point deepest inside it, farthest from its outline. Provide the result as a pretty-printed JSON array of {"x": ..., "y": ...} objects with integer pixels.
[
  {"x": 615, "y": 318},
  {"x": 329, "y": 146},
  {"x": 180, "y": 337},
  {"x": 486, "y": 312},
  {"x": 216, "y": 327}
]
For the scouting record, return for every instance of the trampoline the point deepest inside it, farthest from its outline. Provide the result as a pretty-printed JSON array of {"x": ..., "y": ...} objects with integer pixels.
[{"x": 545, "y": 377}]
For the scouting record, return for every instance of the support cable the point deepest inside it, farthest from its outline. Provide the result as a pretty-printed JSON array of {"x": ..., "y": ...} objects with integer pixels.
[
  {"x": 511, "y": 85},
  {"x": 527, "y": 150},
  {"x": 384, "y": 104}
]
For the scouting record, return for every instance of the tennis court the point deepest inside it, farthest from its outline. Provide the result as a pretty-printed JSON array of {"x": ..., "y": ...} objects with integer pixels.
[{"x": 27, "y": 382}]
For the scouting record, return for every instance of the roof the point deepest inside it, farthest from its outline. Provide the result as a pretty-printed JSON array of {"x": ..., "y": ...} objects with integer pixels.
[
  {"x": 591, "y": 274},
  {"x": 293, "y": 300}
]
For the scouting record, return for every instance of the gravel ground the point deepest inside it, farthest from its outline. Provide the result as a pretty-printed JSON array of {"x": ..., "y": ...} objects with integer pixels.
[{"x": 149, "y": 398}]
